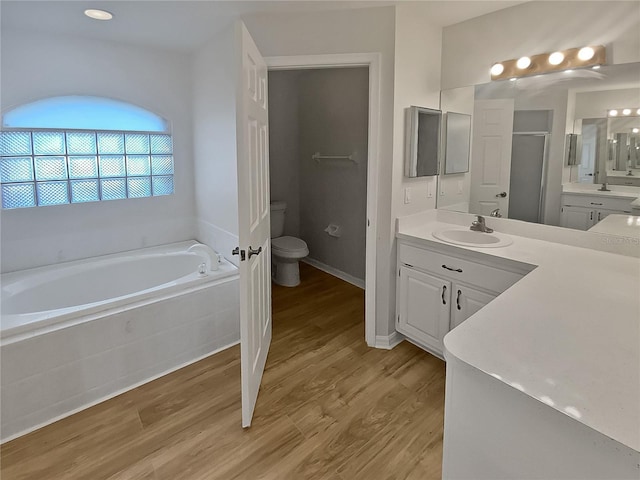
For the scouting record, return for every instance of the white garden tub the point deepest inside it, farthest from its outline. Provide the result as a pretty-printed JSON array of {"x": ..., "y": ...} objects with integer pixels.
[{"x": 77, "y": 333}]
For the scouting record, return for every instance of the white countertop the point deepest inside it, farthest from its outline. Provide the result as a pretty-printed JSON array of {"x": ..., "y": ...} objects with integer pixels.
[
  {"x": 625, "y": 225},
  {"x": 567, "y": 334},
  {"x": 592, "y": 190}
]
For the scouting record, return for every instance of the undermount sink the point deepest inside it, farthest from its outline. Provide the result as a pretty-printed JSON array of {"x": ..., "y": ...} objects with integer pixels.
[{"x": 470, "y": 238}]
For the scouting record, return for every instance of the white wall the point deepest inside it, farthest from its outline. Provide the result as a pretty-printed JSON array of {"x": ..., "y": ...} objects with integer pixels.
[
  {"x": 214, "y": 140},
  {"x": 471, "y": 47},
  {"x": 38, "y": 65},
  {"x": 597, "y": 104},
  {"x": 349, "y": 31},
  {"x": 416, "y": 82},
  {"x": 454, "y": 190}
]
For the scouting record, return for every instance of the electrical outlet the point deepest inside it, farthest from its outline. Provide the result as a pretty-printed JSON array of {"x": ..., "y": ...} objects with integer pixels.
[{"x": 407, "y": 195}]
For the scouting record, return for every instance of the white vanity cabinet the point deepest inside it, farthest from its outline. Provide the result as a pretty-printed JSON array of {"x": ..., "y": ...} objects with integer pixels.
[
  {"x": 438, "y": 290},
  {"x": 582, "y": 212}
]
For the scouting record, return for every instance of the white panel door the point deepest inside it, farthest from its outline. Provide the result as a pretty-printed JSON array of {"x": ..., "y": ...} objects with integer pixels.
[
  {"x": 491, "y": 156},
  {"x": 253, "y": 218},
  {"x": 423, "y": 312},
  {"x": 465, "y": 301}
]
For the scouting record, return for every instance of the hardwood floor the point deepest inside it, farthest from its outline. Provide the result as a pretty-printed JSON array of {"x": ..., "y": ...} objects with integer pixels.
[{"x": 329, "y": 408}]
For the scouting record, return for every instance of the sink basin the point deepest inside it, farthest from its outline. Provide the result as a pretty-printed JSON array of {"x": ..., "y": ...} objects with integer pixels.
[{"x": 470, "y": 238}]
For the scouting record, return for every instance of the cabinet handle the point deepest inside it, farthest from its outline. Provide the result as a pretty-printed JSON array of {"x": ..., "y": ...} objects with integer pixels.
[
  {"x": 459, "y": 270},
  {"x": 458, "y": 300},
  {"x": 599, "y": 216},
  {"x": 594, "y": 203},
  {"x": 444, "y": 291},
  {"x": 591, "y": 216}
]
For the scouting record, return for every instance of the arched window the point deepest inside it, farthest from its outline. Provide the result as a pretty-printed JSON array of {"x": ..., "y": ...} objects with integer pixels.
[{"x": 77, "y": 149}]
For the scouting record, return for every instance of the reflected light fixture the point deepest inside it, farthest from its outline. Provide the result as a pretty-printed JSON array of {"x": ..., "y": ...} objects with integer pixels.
[
  {"x": 569, "y": 59},
  {"x": 596, "y": 67},
  {"x": 627, "y": 112},
  {"x": 556, "y": 58},
  {"x": 635, "y": 130},
  {"x": 98, "y": 14},
  {"x": 497, "y": 69}
]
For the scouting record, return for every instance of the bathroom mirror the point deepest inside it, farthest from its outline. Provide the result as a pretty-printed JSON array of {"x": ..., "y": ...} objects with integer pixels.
[
  {"x": 457, "y": 142},
  {"x": 423, "y": 142},
  {"x": 531, "y": 118}
]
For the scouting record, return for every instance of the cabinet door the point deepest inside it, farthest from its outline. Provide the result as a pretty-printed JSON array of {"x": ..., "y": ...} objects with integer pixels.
[
  {"x": 579, "y": 218},
  {"x": 465, "y": 301},
  {"x": 423, "y": 307}
]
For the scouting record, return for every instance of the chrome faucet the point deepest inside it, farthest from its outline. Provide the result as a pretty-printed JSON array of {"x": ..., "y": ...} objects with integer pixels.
[
  {"x": 604, "y": 188},
  {"x": 496, "y": 213},
  {"x": 480, "y": 226}
]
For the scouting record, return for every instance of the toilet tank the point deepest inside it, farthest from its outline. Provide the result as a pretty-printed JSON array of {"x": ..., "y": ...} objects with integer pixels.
[{"x": 277, "y": 218}]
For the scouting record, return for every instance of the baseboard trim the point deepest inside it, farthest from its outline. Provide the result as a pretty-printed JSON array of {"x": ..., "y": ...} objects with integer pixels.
[
  {"x": 387, "y": 342},
  {"x": 116, "y": 393},
  {"x": 335, "y": 272}
]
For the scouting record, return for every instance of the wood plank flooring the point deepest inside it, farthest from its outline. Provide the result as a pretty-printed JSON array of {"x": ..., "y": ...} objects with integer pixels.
[{"x": 329, "y": 408}]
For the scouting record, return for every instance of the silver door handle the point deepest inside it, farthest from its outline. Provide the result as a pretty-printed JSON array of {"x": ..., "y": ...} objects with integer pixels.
[
  {"x": 501, "y": 195},
  {"x": 254, "y": 252}
]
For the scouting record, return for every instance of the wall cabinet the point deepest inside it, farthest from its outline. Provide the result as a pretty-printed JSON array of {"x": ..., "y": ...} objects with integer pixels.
[
  {"x": 582, "y": 212},
  {"x": 438, "y": 291}
]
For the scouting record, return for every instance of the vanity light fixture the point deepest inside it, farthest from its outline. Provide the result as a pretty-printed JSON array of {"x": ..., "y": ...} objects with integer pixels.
[
  {"x": 635, "y": 130},
  {"x": 596, "y": 67},
  {"x": 569, "y": 59},
  {"x": 627, "y": 112},
  {"x": 523, "y": 63},
  {"x": 98, "y": 14},
  {"x": 556, "y": 58}
]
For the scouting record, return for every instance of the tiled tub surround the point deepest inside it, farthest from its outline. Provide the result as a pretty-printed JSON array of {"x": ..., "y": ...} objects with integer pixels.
[{"x": 63, "y": 362}]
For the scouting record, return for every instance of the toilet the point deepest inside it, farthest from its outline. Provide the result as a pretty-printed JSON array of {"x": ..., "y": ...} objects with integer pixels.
[{"x": 285, "y": 251}]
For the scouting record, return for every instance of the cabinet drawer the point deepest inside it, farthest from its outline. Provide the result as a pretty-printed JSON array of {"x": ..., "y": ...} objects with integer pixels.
[
  {"x": 600, "y": 203},
  {"x": 483, "y": 276}
]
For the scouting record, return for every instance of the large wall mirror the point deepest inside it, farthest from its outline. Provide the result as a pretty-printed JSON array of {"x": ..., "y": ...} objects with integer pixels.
[{"x": 518, "y": 165}]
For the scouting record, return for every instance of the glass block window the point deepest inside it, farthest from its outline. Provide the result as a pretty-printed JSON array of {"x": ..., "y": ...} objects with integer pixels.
[{"x": 53, "y": 167}]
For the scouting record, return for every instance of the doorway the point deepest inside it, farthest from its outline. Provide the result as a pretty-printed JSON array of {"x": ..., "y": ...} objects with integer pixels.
[{"x": 370, "y": 158}]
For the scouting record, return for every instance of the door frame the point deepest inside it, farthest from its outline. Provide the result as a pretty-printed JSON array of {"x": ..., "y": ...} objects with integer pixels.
[{"x": 372, "y": 61}]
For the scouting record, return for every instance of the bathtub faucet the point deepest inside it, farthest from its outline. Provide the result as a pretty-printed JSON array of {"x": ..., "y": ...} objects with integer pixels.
[{"x": 208, "y": 254}]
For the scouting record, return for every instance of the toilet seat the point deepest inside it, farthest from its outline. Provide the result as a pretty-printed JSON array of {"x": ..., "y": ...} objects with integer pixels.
[{"x": 289, "y": 247}]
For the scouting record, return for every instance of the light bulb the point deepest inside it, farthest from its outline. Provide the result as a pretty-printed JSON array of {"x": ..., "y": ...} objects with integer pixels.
[
  {"x": 638, "y": 112},
  {"x": 497, "y": 69},
  {"x": 613, "y": 113},
  {"x": 626, "y": 111},
  {"x": 98, "y": 14},
  {"x": 523, "y": 62},
  {"x": 636, "y": 130},
  {"x": 586, "y": 53},
  {"x": 556, "y": 58}
]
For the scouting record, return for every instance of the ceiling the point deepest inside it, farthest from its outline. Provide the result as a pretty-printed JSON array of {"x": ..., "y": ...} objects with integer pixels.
[{"x": 184, "y": 25}]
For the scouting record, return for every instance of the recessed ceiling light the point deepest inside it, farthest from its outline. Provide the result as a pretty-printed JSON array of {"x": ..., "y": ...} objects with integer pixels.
[
  {"x": 586, "y": 53},
  {"x": 626, "y": 111},
  {"x": 523, "y": 62},
  {"x": 613, "y": 113},
  {"x": 98, "y": 14},
  {"x": 556, "y": 58},
  {"x": 497, "y": 69}
]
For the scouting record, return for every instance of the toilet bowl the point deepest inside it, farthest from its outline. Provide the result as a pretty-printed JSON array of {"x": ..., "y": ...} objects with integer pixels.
[{"x": 286, "y": 251}]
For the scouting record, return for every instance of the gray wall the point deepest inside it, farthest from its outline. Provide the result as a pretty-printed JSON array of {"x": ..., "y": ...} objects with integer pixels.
[{"x": 322, "y": 111}]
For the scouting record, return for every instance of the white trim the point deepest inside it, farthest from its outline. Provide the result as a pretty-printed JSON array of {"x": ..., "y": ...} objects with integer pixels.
[
  {"x": 387, "y": 342},
  {"x": 335, "y": 272},
  {"x": 372, "y": 60},
  {"x": 116, "y": 393}
]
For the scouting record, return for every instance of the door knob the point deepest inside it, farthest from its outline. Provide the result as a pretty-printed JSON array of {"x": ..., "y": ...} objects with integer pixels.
[
  {"x": 501, "y": 194},
  {"x": 254, "y": 252}
]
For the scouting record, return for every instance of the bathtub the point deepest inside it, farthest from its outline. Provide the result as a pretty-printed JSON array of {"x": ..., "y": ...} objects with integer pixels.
[{"x": 77, "y": 333}]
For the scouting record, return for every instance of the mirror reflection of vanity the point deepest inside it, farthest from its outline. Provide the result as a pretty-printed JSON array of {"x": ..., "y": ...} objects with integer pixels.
[{"x": 520, "y": 166}]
